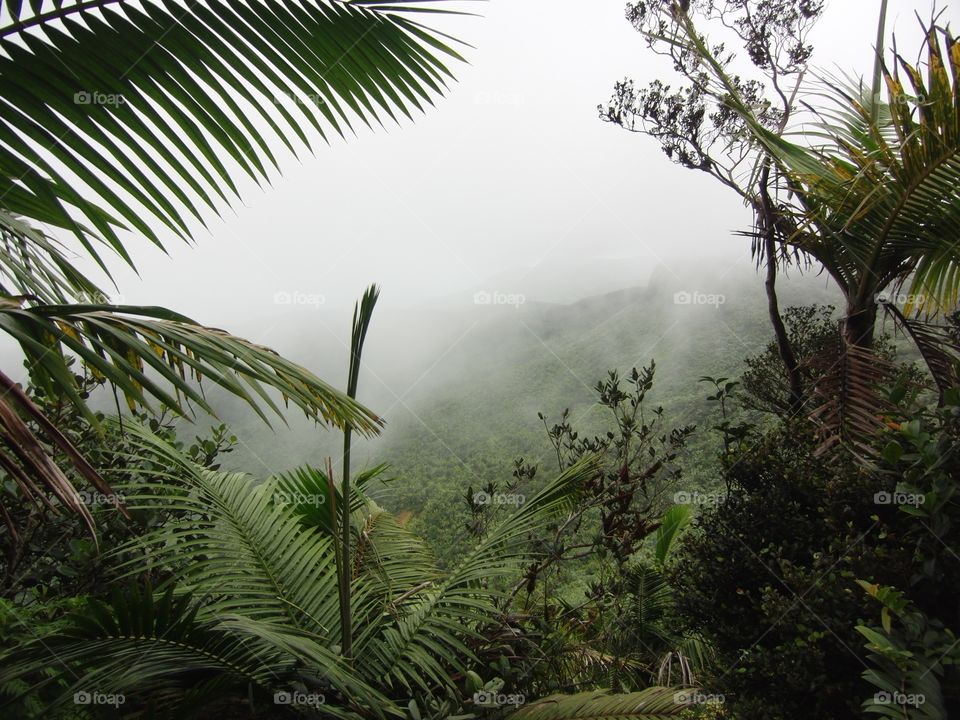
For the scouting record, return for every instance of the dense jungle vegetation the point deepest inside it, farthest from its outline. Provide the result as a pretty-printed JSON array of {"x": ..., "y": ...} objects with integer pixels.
[{"x": 756, "y": 525}]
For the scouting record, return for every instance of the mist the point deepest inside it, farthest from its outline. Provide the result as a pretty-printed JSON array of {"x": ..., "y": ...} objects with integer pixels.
[
  {"x": 491, "y": 222},
  {"x": 494, "y": 223}
]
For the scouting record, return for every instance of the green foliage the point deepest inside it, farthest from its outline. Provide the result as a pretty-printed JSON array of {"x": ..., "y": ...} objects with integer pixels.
[
  {"x": 595, "y": 611},
  {"x": 914, "y": 650},
  {"x": 48, "y": 553},
  {"x": 82, "y": 79},
  {"x": 812, "y": 331},
  {"x": 649, "y": 704},
  {"x": 909, "y": 661},
  {"x": 673, "y": 523},
  {"x": 781, "y": 553},
  {"x": 246, "y": 596}
]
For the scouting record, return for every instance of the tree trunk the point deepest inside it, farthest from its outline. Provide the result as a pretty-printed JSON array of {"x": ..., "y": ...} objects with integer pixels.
[
  {"x": 860, "y": 323},
  {"x": 766, "y": 224},
  {"x": 780, "y": 332}
]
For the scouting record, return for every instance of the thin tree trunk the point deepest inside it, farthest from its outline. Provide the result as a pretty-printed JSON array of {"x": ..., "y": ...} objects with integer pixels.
[
  {"x": 766, "y": 216},
  {"x": 362, "y": 312},
  {"x": 346, "y": 618}
]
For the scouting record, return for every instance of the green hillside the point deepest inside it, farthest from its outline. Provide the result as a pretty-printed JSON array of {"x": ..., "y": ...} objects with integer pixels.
[{"x": 474, "y": 404}]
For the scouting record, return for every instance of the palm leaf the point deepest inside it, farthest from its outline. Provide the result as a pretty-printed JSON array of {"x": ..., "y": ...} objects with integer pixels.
[
  {"x": 851, "y": 407},
  {"x": 144, "y": 350},
  {"x": 937, "y": 345},
  {"x": 160, "y": 651},
  {"x": 880, "y": 195},
  {"x": 650, "y": 704},
  {"x": 143, "y": 646},
  {"x": 146, "y": 104},
  {"x": 128, "y": 115},
  {"x": 420, "y": 648},
  {"x": 253, "y": 555},
  {"x": 25, "y": 457},
  {"x": 34, "y": 266},
  {"x": 673, "y": 523}
]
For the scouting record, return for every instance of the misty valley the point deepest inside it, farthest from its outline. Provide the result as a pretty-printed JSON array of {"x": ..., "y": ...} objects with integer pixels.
[{"x": 338, "y": 379}]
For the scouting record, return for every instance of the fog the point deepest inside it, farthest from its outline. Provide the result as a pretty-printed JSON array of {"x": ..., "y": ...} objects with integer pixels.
[
  {"x": 463, "y": 382},
  {"x": 480, "y": 218},
  {"x": 510, "y": 180}
]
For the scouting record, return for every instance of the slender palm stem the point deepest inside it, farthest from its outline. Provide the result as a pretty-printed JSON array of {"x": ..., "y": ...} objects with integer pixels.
[{"x": 362, "y": 313}]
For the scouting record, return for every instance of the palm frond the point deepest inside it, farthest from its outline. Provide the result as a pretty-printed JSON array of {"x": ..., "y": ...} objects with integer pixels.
[
  {"x": 390, "y": 565},
  {"x": 671, "y": 526},
  {"x": 25, "y": 458},
  {"x": 144, "y": 350},
  {"x": 650, "y": 704},
  {"x": 124, "y": 115},
  {"x": 34, "y": 266},
  {"x": 429, "y": 639},
  {"x": 145, "y": 647},
  {"x": 146, "y": 104},
  {"x": 253, "y": 557},
  {"x": 851, "y": 409},
  {"x": 937, "y": 345}
]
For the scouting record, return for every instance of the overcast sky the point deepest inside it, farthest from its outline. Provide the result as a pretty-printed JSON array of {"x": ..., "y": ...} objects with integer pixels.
[{"x": 511, "y": 172}]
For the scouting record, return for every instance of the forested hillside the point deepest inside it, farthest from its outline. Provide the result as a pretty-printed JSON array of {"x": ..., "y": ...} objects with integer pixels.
[{"x": 477, "y": 389}]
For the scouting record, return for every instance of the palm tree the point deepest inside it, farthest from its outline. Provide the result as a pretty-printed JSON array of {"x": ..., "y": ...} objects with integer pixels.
[
  {"x": 121, "y": 116},
  {"x": 872, "y": 194}
]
